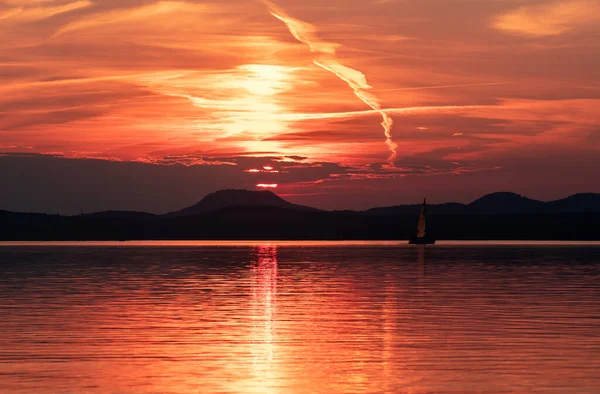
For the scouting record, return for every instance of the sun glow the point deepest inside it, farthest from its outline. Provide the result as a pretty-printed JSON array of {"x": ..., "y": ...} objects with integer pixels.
[
  {"x": 246, "y": 101},
  {"x": 267, "y": 185},
  {"x": 265, "y": 80},
  {"x": 265, "y": 169}
]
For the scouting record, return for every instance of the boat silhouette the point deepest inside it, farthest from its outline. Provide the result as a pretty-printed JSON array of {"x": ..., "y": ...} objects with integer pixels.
[{"x": 422, "y": 238}]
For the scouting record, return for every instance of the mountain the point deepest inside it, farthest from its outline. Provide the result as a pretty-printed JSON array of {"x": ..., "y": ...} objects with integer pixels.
[
  {"x": 261, "y": 215},
  {"x": 501, "y": 203},
  {"x": 580, "y": 203},
  {"x": 231, "y": 198},
  {"x": 505, "y": 202}
]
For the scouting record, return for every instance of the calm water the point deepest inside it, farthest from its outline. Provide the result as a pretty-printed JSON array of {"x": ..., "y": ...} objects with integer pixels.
[{"x": 289, "y": 318}]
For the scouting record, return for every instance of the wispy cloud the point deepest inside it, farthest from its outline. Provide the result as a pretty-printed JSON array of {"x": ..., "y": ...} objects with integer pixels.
[
  {"x": 306, "y": 33},
  {"x": 24, "y": 12},
  {"x": 160, "y": 8},
  {"x": 549, "y": 19}
]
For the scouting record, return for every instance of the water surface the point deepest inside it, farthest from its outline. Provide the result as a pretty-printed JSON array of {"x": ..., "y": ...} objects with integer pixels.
[{"x": 299, "y": 317}]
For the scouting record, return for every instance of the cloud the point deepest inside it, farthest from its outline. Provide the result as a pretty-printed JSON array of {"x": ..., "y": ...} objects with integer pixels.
[
  {"x": 36, "y": 13},
  {"x": 129, "y": 15},
  {"x": 327, "y": 60},
  {"x": 549, "y": 19}
]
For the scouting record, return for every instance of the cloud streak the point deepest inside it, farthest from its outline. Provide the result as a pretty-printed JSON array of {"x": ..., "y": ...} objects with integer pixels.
[
  {"x": 127, "y": 15},
  {"x": 36, "y": 13},
  {"x": 306, "y": 33},
  {"x": 549, "y": 19}
]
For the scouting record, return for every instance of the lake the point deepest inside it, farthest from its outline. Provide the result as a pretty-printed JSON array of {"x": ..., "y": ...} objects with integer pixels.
[{"x": 290, "y": 317}]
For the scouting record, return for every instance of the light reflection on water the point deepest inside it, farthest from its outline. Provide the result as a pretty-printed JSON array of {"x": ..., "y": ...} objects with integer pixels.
[
  {"x": 285, "y": 318},
  {"x": 264, "y": 303}
]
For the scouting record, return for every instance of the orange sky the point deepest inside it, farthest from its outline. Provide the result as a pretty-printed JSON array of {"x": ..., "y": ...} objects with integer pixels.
[{"x": 470, "y": 86}]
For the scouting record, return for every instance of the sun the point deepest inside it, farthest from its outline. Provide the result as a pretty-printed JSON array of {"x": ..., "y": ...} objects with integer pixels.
[{"x": 265, "y": 80}]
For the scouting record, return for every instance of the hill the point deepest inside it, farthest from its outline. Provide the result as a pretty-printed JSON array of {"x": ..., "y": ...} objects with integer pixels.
[
  {"x": 581, "y": 203},
  {"x": 240, "y": 214},
  {"x": 231, "y": 198},
  {"x": 505, "y": 203},
  {"x": 502, "y": 203}
]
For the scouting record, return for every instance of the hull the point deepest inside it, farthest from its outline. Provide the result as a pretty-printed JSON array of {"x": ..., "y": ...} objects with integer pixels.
[{"x": 421, "y": 241}]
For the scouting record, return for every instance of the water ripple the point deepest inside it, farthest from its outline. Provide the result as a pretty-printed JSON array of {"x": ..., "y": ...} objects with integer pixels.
[{"x": 288, "y": 318}]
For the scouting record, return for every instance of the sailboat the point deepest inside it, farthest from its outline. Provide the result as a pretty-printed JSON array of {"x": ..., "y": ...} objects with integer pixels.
[{"x": 422, "y": 238}]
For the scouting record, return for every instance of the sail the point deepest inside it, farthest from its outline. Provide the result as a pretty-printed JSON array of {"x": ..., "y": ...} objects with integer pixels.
[{"x": 422, "y": 221}]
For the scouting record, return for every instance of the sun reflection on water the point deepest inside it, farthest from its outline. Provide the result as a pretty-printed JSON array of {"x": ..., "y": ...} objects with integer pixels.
[{"x": 264, "y": 302}]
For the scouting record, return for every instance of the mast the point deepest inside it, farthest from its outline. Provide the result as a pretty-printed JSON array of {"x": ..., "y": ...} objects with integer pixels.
[{"x": 421, "y": 226}]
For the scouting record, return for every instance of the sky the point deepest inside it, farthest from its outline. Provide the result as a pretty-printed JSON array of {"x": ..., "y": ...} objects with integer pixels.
[{"x": 343, "y": 104}]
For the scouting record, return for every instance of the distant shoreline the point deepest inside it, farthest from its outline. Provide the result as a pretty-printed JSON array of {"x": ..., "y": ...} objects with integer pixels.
[
  {"x": 232, "y": 215},
  {"x": 242, "y": 243},
  {"x": 271, "y": 223}
]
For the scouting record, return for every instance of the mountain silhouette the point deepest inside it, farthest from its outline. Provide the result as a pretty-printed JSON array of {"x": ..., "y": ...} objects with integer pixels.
[
  {"x": 248, "y": 198},
  {"x": 580, "y": 203},
  {"x": 502, "y": 203},
  {"x": 262, "y": 215}
]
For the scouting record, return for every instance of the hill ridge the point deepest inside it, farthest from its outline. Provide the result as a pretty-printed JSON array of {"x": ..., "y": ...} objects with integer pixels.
[
  {"x": 492, "y": 203},
  {"x": 238, "y": 197},
  {"x": 503, "y": 203}
]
